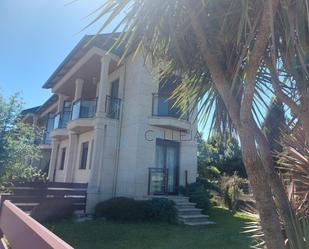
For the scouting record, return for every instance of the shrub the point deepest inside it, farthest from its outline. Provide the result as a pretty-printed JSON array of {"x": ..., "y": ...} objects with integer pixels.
[
  {"x": 208, "y": 184},
  {"x": 200, "y": 195},
  {"x": 121, "y": 209},
  {"x": 160, "y": 209},
  {"x": 231, "y": 191},
  {"x": 197, "y": 193},
  {"x": 21, "y": 174},
  {"x": 52, "y": 210},
  {"x": 129, "y": 210}
]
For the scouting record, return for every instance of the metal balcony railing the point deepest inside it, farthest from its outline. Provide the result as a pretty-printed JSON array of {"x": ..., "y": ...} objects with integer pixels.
[
  {"x": 163, "y": 106},
  {"x": 112, "y": 107},
  {"x": 84, "y": 108},
  {"x": 157, "y": 181}
]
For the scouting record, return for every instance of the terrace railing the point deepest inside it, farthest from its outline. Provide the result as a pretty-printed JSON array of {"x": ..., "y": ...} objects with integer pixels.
[
  {"x": 84, "y": 108},
  {"x": 62, "y": 119},
  {"x": 112, "y": 107},
  {"x": 157, "y": 181}
]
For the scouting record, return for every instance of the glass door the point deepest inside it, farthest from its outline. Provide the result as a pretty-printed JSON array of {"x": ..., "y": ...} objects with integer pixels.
[{"x": 167, "y": 159}]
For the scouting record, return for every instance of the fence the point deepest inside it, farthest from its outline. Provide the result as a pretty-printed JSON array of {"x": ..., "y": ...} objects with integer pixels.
[
  {"x": 21, "y": 231},
  {"x": 28, "y": 195}
]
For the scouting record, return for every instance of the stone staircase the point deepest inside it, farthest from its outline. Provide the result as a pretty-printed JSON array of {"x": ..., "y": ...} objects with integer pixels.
[{"x": 188, "y": 214}]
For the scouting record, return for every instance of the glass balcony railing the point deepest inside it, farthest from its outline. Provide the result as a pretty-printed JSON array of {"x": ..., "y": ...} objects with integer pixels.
[
  {"x": 62, "y": 119},
  {"x": 112, "y": 107},
  {"x": 84, "y": 108},
  {"x": 163, "y": 106}
]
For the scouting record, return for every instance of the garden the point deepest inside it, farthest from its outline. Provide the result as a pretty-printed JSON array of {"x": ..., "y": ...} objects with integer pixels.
[{"x": 102, "y": 234}]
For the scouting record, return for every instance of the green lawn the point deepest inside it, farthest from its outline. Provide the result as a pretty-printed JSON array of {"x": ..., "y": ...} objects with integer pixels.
[{"x": 101, "y": 234}]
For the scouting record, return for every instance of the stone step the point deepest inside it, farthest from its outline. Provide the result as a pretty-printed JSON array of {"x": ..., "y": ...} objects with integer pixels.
[
  {"x": 199, "y": 223},
  {"x": 193, "y": 218},
  {"x": 185, "y": 204},
  {"x": 189, "y": 211},
  {"x": 178, "y": 197}
]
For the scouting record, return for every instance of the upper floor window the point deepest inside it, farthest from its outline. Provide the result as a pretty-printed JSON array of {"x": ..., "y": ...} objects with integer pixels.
[{"x": 163, "y": 104}]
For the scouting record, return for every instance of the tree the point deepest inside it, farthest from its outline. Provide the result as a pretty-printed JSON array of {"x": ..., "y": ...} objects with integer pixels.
[
  {"x": 224, "y": 155},
  {"x": 17, "y": 142},
  {"x": 218, "y": 48}
]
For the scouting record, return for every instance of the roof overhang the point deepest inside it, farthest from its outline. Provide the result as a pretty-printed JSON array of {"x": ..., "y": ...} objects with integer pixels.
[{"x": 88, "y": 45}]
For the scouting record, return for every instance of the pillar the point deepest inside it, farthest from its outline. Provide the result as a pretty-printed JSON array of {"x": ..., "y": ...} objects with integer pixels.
[
  {"x": 72, "y": 157},
  {"x": 78, "y": 89},
  {"x": 60, "y": 103},
  {"x": 94, "y": 183},
  {"x": 53, "y": 160}
]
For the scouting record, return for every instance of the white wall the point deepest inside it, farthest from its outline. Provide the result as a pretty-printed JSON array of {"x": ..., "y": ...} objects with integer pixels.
[{"x": 130, "y": 175}]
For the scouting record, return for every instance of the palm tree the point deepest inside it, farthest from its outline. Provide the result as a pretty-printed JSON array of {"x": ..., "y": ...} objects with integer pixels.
[{"x": 217, "y": 47}]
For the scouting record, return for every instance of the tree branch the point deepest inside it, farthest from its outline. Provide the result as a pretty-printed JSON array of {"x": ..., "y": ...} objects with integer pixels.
[
  {"x": 260, "y": 45},
  {"x": 279, "y": 93}
]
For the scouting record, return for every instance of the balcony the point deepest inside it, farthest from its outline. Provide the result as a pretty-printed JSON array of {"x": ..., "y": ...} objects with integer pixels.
[
  {"x": 83, "y": 112},
  {"x": 46, "y": 141},
  {"x": 62, "y": 119},
  {"x": 84, "y": 108},
  {"x": 166, "y": 115},
  {"x": 112, "y": 107},
  {"x": 60, "y": 124}
]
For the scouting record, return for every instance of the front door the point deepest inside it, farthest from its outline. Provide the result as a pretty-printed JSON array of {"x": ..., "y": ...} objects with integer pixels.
[{"x": 167, "y": 158}]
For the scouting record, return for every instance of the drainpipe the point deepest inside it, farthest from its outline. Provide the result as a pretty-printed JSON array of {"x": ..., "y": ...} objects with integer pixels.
[{"x": 119, "y": 131}]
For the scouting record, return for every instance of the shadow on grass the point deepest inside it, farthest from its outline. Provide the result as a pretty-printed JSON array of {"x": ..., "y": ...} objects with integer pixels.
[{"x": 100, "y": 234}]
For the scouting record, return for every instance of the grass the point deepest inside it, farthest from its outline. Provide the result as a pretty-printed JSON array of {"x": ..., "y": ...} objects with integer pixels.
[{"x": 100, "y": 234}]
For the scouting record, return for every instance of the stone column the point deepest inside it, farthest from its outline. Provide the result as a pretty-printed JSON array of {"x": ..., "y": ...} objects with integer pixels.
[
  {"x": 60, "y": 102},
  {"x": 94, "y": 183},
  {"x": 53, "y": 160},
  {"x": 78, "y": 89},
  {"x": 72, "y": 161}
]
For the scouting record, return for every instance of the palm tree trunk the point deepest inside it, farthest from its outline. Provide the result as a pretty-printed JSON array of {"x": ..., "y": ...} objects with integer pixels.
[
  {"x": 261, "y": 190},
  {"x": 262, "y": 193}
]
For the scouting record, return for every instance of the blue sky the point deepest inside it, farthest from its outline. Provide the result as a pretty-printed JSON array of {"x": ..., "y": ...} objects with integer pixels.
[{"x": 36, "y": 35}]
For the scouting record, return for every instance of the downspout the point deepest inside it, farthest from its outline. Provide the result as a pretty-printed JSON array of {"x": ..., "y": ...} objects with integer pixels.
[{"x": 119, "y": 131}]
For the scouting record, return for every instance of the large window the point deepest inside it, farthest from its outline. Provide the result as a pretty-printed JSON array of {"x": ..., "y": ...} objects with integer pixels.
[
  {"x": 63, "y": 152},
  {"x": 84, "y": 155},
  {"x": 163, "y": 104}
]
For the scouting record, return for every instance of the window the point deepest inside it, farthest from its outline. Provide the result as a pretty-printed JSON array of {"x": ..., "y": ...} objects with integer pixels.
[
  {"x": 84, "y": 156},
  {"x": 63, "y": 151}
]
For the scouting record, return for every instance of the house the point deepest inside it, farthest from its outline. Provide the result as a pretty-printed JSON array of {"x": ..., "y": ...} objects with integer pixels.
[{"x": 114, "y": 126}]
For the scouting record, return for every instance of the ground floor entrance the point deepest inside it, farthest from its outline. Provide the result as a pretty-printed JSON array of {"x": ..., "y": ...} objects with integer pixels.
[{"x": 164, "y": 177}]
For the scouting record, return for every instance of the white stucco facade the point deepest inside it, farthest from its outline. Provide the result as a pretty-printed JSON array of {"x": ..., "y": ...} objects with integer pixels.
[{"x": 120, "y": 150}]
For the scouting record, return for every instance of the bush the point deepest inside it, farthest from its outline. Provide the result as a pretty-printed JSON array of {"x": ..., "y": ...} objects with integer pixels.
[
  {"x": 52, "y": 210},
  {"x": 161, "y": 209},
  {"x": 208, "y": 184},
  {"x": 121, "y": 209},
  {"x": 129, "y": 210},
  {"x": 200, "y": 195},
  {"x": 21, "y": 174},
  {"x": 197, "y": 193},
  {"x": 231, "y": 190}
]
